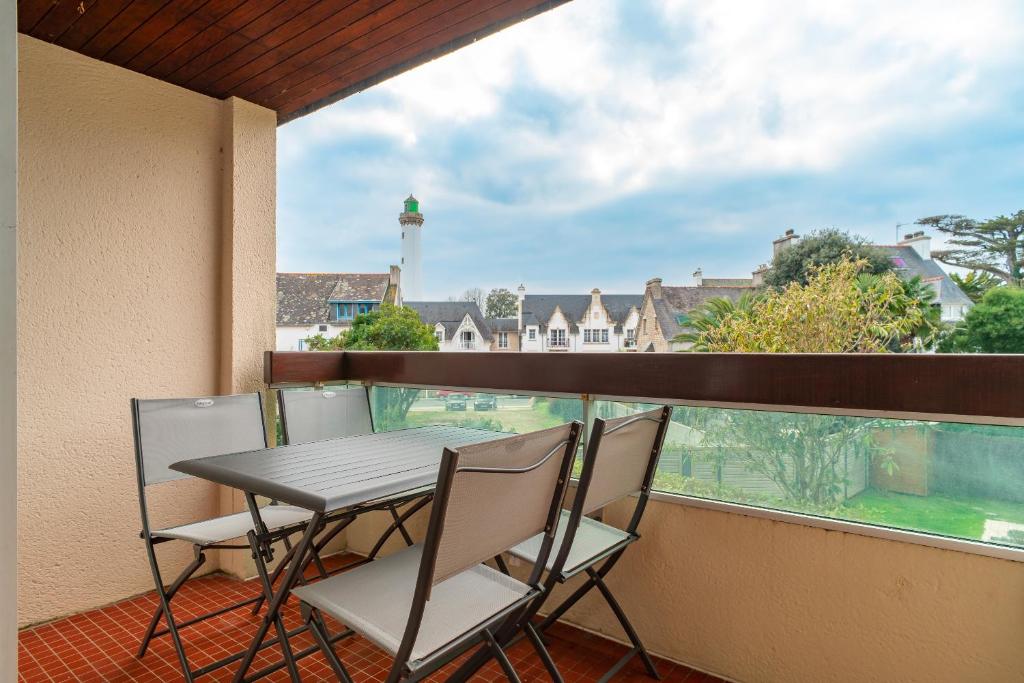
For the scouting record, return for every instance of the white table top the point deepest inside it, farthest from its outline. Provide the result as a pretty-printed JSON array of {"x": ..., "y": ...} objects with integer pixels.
[{"x": 324, "y": 476}]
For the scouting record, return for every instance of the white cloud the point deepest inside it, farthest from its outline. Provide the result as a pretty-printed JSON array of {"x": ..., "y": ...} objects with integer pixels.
[
  {"x": 757, "y": 87},
  {"x": 578, "y": 108}
]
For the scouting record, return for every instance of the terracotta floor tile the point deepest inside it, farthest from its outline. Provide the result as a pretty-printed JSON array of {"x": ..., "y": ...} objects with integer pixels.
[{"x": 99, "y": 646}]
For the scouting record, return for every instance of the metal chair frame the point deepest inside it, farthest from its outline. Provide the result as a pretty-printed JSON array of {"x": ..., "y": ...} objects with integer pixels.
[
  {"x": 607, "y": 559},
  {"x": 484, "y": 633},
  {"x": 166, "y": 595}
]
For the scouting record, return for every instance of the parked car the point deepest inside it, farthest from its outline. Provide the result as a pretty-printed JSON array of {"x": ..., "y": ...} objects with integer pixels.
[
  {"x": 455, "y": 402},
  {"x": 485, "y": 402}
]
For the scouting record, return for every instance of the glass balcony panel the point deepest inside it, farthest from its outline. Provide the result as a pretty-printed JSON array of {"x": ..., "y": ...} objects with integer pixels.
[{"x": 958, "y": 480}]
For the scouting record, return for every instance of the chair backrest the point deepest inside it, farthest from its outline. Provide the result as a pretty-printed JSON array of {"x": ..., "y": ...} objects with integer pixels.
[
  {"x": 171, "y": 429},
  {"x": 494, "y": 495},
  {"x": 324, "y": 414},
  {"x": 622, "y": 455}
]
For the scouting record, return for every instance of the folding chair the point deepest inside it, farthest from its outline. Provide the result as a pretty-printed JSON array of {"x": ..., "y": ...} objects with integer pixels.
[
  {"x": 167, "y": 431},
  {"x": 427, "y": 604},
  {"x": 332, "y": 413},
  {"x": 620, "y": 460}
]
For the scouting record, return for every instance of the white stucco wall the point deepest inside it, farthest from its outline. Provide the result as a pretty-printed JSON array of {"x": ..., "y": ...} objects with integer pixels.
[
  {"x": 289, "y": 336},
  {"x": 146, "y": 269}
]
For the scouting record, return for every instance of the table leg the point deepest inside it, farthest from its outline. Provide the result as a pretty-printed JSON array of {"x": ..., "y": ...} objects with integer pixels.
[{"x": 273, "y": 613}]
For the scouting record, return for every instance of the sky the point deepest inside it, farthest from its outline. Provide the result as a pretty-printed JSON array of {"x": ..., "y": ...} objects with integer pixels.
[{"x": 606, "y": 142}]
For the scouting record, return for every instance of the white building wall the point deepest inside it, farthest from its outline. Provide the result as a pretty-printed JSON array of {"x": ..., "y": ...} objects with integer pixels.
[{"x": 289, "y": 336}]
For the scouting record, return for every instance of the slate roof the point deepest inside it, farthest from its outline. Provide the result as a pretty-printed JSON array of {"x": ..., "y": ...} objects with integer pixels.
[
  {"x": 538, "y": 308},
  {"x": 302, "y": 298},
  {"x": 503, "y": 324},
  {"x": 909, "y": 263},
  {"x": 678, "y": 301},
  {"x": 451, "y": 314}
]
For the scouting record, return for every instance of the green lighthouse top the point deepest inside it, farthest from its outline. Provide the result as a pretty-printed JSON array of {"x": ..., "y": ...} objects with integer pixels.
[{"x": 412, "y": 205}]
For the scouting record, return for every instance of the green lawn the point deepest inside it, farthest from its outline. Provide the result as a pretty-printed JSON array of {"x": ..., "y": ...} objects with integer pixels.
[
  {"x": 962, "y": 517},
  {"x": 519, "y": 421}
]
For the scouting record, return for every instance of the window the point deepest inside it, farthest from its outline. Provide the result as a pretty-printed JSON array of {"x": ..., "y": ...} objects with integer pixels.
[
  {"x": 586, "y": 336},
  {"x": 532, "y": 334},
  {"x": 323, "y": 328},
  {"x": 595, "y": 336},
  {"x": 503, "y": 340},
  {"x": 439, "y": 334},
  {"x": 604, "y": 336},
  {"x": 343, "y": 311},
  {"x": 366, "y": 307},
  {"x": 557, "y": 338},
  {"x": 302, "y": 345},
  {"x": 630, "y": 338},
  {"x": 467, "y": 339}
]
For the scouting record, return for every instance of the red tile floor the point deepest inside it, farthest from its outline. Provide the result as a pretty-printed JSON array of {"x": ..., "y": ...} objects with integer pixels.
[{"x": 100, "y": 645}]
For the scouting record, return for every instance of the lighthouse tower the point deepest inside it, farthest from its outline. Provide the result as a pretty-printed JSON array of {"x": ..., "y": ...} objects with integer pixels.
[{"x": 411, "y": 221}]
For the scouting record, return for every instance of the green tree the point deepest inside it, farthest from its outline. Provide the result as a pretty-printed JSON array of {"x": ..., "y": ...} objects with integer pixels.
[
  {"x": 976, "y": 283},
  {"x": 994, "y": 325},
  {"x": 501, "y": 303},
  {"x": 798, "y": 262},
  {"x": 710, "y": 315},
  {"x": 837, "y": 311},
  {"x": 390, "y": 328},
  {"x": 994, "y": 246},
  {"x": 920, "y": 297}
]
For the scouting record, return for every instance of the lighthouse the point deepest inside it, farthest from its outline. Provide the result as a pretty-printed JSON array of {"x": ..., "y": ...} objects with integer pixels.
[{"x": 411, "y": 221}]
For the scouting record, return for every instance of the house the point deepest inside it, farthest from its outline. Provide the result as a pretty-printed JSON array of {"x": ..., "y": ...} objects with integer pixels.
[
  {"x": 912, "y": 257},
  {"x": 664, "y": 310},
  {"x": 458, "y": 325},
  {"x": 505, "y": 334},
  {"x": 326, "y": 303},
  {"x": 578, "y": 322}
]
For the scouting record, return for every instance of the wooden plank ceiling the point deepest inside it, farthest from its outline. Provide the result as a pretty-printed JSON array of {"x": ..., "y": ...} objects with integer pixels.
[{"x": 292, "y": 56}]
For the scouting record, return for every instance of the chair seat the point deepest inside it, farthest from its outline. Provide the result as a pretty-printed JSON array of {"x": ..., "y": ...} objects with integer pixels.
[
  {"x": 220, "y": 529},
  {"x": 374, "y": 600},
  {"x": 592, "y": 540}
]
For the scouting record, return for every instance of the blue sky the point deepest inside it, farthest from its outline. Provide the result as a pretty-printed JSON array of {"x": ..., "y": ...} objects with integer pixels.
[{"x": 610, "y": 141}]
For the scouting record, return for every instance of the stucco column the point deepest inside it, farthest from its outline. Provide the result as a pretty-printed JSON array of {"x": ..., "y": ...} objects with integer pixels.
[
  {"x": 248, "y": 263},
  {"x": 8, "y": 341}
]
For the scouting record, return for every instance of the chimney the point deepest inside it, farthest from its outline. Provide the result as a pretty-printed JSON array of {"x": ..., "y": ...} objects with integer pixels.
[
  {"x": 788, "y": 239},
  {"x": 654, "y": 287},
  {"x": 519, "y": 304},
  {"x": 921, "y": 243},
  {"x": 757, "y": 277},
  {"x": 395, "y": 280},
  {"x": 698, "y": 277}
]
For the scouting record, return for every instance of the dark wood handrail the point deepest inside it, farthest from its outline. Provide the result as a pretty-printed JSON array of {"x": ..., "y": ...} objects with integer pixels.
[{"x": 979, "y": 388}]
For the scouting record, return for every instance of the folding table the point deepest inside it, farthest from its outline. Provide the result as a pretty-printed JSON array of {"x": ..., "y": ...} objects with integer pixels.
[{"x": 334, "y": 479}]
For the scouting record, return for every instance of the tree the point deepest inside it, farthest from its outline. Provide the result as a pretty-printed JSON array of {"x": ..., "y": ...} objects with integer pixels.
[
  {"x": 994, "y": 246},
  {"x": 994, "y": 325},
  {"x": 501, "y": 303},
  {"x": 837, "y": 311},
  {"x": 920, "y": 296},
  {"x": 709, "y": 316},
  {"x": 474, "y": 294},
  {"x": 390, "y": 328},
  {"x": 796, "y": 263},
  {"x": 807, "y": 456},
  {"x": 976, "y": 283}
]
